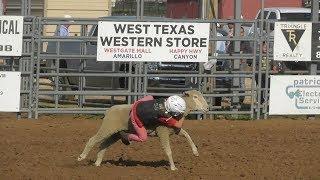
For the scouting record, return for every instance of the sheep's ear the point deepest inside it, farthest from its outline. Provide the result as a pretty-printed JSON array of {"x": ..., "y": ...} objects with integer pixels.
[{"x": 186, "y": 94}]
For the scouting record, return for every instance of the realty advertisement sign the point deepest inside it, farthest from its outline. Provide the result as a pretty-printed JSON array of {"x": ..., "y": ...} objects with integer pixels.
[
  {"x": 11, "y": 33},
  {"x": 292, "y": 41},
  {"x": 10, "y": 91},
  {"x": 291, "y": 94},
  {"x": 152, "y": 41}
]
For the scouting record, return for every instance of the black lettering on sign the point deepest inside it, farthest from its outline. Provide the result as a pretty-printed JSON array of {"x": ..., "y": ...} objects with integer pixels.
[
  {"x": 3, "y": 75},
  {"x": 293, "y": 37},
  {"x": 9, "y": 27},
  {"x": 131, "y": 28},
  {"x": 5, "y": 48},
  {"x": 173, "y": 29},
  {"x": 131, "y": 41},
  {"x": 1, "y": 93},
  {"x": 105, "y": 40},
  {"x": 186, "y": 42}
]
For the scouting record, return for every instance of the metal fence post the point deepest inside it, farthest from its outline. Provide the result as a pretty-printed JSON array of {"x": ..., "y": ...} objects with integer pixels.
[
  {"x": 260, "y": 41},
  {"x": 39, "y": 45},
  {"x": 236, "y": 63},
  {"x": 254, "y": 69}
]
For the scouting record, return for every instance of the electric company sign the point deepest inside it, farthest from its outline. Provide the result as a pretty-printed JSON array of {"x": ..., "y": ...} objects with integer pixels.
[{"x": 294, "y": 94}]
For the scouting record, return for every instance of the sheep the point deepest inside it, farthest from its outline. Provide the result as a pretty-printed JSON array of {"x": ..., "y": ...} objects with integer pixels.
[{"x": 117, "y": 119}]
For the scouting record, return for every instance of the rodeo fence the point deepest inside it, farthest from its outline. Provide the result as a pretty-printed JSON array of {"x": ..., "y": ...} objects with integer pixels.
[
  {"x": 61, "y": 74},
  {"x": 25, "y": 65}
]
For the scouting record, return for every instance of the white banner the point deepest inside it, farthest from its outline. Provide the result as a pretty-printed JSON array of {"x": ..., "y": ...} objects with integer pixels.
[
  {"x": 10, "y": 91},
  {"x": 292, "y": 41},
  {"x": 11, "y": 33},
  {"x": 294, "y": 95},
  {"x": 152, "y": 41}
]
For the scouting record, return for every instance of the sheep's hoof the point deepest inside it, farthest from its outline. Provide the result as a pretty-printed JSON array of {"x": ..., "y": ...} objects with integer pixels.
[
  {"x": 173, "y": 168},
  {"x": 97, "y": 164},
  {"x": 80, "y": 158},
  {"x": 196, "y": 153}
]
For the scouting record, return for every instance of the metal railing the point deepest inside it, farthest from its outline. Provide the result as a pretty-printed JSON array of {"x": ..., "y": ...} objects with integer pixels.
[
  {"x": 61, "y": 74},
  {"x": 25, "y": 64}
]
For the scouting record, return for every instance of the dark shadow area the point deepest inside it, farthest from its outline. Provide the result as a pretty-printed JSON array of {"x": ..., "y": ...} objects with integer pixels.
[{"x": 131, "y": 163}]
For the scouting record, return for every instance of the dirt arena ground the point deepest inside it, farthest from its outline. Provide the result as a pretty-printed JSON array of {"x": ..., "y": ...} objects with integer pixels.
[{"x": 268, "y": 149}]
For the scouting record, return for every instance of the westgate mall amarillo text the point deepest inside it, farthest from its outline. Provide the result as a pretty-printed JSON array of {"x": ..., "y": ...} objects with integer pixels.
[{"x": 181, "y": 45}]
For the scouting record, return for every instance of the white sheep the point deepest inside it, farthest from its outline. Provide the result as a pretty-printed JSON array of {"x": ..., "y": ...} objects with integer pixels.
[{"x": 117, "y": 119}]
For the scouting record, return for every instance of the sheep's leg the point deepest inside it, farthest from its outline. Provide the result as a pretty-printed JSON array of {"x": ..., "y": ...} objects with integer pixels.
[
  {"x": 191, "y": 143},
  {"x": 163, "y": 134},
  {"x": 92, "y": 141},
  {"x": 103, "y": 147}
]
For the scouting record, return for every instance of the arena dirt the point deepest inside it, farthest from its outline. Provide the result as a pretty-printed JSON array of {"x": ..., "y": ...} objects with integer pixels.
[{"x": 280, "y": 148}]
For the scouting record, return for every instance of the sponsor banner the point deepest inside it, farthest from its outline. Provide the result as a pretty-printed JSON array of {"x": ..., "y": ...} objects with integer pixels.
[
  {"x": 294, "y": 95},
  {"x": 152, "y": 41},
  {"x": 292, "y": 41},
  {"x": 11, "y": 34},
  {"x": 315, "y": 51},
  {"x": 10, "y": 91}
]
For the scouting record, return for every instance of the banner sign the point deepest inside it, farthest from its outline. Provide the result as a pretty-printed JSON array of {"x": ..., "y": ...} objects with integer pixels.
[
  {"x": 290, "y": 94},
  {"x": 11, "y": 34},
  {"x": 315, "y": 51},
  {"x": 10, "y": 91},
  {"x": 292, "y": 41},
  {"x": 152, "y": 41}
]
